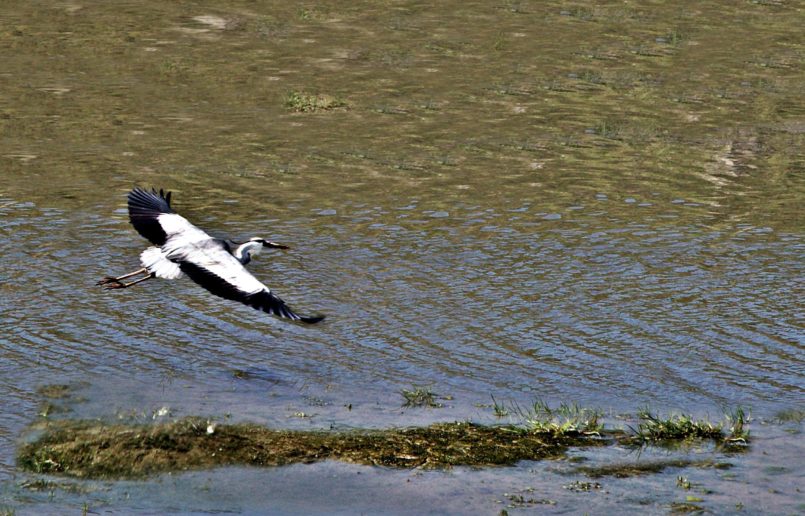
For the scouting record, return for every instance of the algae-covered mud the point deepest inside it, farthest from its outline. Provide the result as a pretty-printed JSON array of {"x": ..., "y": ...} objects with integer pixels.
[
  {"x": 84, "y": 449},
  {"x": 551, "y": 457},
  {"x": 92, "y": 449},
  {"x": 492, "y": 202}
]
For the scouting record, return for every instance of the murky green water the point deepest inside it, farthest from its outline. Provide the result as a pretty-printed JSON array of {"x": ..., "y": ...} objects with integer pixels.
[{"x": 521, "y": 199}]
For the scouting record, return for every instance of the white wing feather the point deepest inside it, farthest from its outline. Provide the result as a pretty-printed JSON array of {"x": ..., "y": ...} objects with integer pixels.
[
  {"x": 180, "y": 231},
  {"x": 208, "y": 255},
  {"x": 157, "y": 263}
]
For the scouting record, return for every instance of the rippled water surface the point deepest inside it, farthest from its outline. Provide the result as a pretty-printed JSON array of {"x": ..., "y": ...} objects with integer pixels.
[{"x": 520, "y": 199}]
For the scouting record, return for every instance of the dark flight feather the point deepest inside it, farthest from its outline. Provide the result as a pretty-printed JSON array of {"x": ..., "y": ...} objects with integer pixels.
[
  {"x": 263, "y": 300},
  {"x": 144, "y": 209}
]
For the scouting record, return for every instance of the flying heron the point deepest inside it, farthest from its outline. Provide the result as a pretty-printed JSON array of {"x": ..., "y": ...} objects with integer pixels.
[{"x": 180, "y": 248}]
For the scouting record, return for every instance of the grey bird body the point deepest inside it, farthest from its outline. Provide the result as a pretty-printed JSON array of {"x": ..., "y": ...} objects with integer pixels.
[{"x": 181, "y": 249}]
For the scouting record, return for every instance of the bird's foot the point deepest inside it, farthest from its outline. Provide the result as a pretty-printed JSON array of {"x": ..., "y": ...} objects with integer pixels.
[{"x": 110, "y": 283}]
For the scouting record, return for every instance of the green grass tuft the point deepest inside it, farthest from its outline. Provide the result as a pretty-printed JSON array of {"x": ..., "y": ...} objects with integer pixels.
[
  {"x": 567, "y": 419},
  {"x": 681, "y": 427},
  {"x": 499, "y": 408},
  {"x": 738, "y": 420},
  {"x": 678, "y": 427}
]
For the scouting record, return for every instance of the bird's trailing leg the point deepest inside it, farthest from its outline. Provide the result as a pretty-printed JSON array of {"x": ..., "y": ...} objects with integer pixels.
[
  {"x": 120, "y": 284},
  {"x": 112, "y": 282}
]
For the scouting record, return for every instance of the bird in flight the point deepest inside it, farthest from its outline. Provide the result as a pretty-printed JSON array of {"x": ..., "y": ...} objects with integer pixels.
[{"x": 180, "y": 249}]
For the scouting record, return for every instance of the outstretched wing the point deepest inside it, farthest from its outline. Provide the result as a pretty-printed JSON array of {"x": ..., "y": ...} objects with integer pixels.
[
  {"x": 210, "y": 265},
  {"x": 151, "y": 215},
  {"x": 206, "y": 260}
]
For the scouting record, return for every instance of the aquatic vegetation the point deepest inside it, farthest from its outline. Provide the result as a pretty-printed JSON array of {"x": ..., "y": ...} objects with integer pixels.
[
  {"x": 582, "y": 487},
  {"x": 420, "y": 397},
  {"x": 674, "y": 37},
  {"x": 519, "y": 501},
  {"x": 52, "y": 395},
  {"x": 582, "y": 13},
  {"x": 608, "y": 129},
  {"x": 675, "y": 427},
  {"x": 499, "y": 408},
  {"x": 632, "y": 469},
  {"x": 574, "y": 420},
  {"x": 683, "y": 482},
  {"x": 307, "y": 103},
  {"x": 173, "y": 68},
  {"x": 683, "y": 507},
  {"x": 682, "y": 427},
  {"x": 792, "y": 415},
  {"x": 50, "y": 486},
  {"x": 95, "y": 449},
  {"x": 738, "y": 419},
  {"x": 91, "y": 449},
  {"x": 567, "y": 419},
  {"x": 54, "y": 391}
]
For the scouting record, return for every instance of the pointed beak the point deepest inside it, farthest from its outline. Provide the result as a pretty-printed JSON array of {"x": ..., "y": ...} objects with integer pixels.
[{"x": 274, "y": 245}]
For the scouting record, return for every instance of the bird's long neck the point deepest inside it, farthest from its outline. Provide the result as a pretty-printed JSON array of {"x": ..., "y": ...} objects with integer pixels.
[{"x": 244, "y": 252}]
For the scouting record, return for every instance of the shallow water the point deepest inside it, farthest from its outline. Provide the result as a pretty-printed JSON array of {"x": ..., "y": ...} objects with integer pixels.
[
  {"x": 522, "y": 200},
  {"x": 544, "y": 488}
]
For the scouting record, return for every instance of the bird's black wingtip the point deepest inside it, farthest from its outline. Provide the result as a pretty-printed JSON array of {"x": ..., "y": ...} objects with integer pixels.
[
  {"x": 312, "y": 320},
  {"x": 144, "y": 193}
]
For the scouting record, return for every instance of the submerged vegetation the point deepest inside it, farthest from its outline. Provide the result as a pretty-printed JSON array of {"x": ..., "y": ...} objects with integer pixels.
[
  {"x": 93, "y": 449},
  {"x": 420, "y": 397},
  {"x": 792, "y": 415},
  {"x": 306, "y": 103},
  {"x": 633, "y": 469}
]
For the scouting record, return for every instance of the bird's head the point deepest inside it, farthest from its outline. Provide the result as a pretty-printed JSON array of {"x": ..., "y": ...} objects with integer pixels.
[{"x": 252, "y": 247}]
